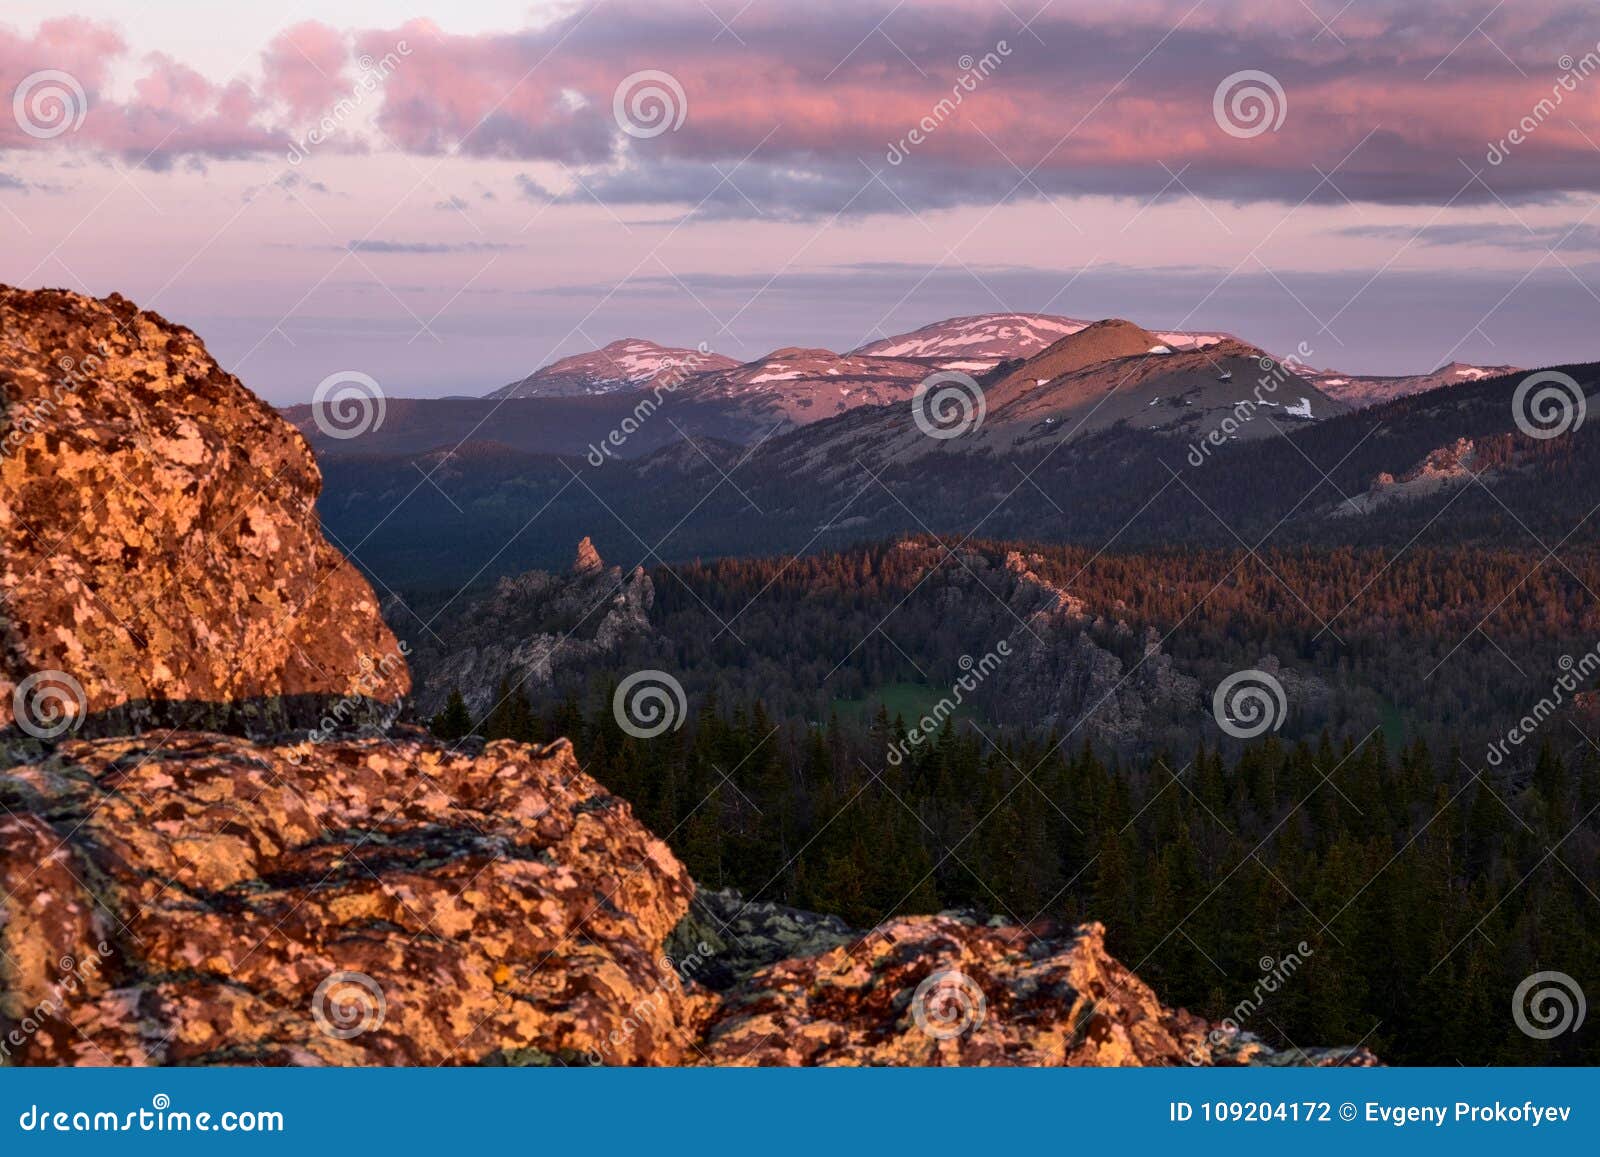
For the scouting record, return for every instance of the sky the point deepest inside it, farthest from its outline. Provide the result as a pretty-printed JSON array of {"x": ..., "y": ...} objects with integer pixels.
[{"x": 445, "y": 197}]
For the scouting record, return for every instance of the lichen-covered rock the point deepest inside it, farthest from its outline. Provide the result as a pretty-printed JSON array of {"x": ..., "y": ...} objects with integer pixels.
[
  {"x": 158, "y": 545},
  {"x": 741, "y": 937},
  {"x": 216, "y": 901},
  {"x": 948, "y": 990},
  {"x": 943, "y": 990}
]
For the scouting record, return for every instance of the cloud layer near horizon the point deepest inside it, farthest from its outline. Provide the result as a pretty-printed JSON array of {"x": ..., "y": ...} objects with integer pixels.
[{"x": 797, "y": 106}]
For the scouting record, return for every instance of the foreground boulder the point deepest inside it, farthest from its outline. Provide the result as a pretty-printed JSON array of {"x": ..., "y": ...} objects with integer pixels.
[
  {"x": 949, "y": 990},
  {"x": 212, "y": 901},
  {"x": 941, "y": 990},
  {"x": 160, "y": 558}
]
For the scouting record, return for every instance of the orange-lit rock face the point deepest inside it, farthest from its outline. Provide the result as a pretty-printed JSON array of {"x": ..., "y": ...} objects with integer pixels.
[
  {"x": 936, "y": 990},
  {"x": 185, "y": 904},
  {"x": 157, "y": 537}
]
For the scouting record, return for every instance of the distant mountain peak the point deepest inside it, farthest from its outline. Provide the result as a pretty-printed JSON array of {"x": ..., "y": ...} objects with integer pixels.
[
  {"x": 979, "y": 342},
  {"x": 801, "y": 385},
  {"x": 1100, "y": 341},
  {"x": 629, "y": 363},
  {"x": 800, "y": 351},
  {"x": 983, "y": 339},
  {"x": 1110, "y": 325}
]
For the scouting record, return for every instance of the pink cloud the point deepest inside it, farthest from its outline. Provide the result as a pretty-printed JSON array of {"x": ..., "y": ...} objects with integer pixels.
[
  {"x": 81, "y": 49},
  {"x": 174, "y": 111},
  {"x": 1101, "y": 105},
  {"x": 304, "y": 69},
  {"x": 1086, "y": 100}
]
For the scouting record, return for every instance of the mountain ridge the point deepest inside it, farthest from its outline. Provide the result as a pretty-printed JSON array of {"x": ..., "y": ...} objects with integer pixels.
[{"x": 625, "y": 364}]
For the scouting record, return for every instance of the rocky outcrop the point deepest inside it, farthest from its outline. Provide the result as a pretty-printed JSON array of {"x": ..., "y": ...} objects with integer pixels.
[
  {"x": 1037, "y": 599},
  {"x": 214, "y": 901},
  {"x": 529, "y": 630},
  {"x": 949, "y": 990},
  {"x": 1062, "y": 672},
  {"x": 587, "y": 560},
  {"x": 160, "y": 559},
  {"x": 941, "y": 990},
  {"x": 1439, "y": 470}
]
